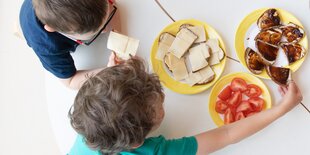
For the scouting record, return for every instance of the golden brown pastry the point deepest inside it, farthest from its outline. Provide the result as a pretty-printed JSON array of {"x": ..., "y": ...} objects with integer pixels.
[
  {"x": 292, "y": 32},
  {"x": 293, "y": 51},
  {"x": 272, "y": 36},
  {"x": 279, "y": 75},
  {"x": 254, "y": 61},
  {"x": 269, "y": 19}
]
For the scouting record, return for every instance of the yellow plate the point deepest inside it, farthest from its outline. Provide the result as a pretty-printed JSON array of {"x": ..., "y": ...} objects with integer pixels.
[
  {"x": 246, "y": 23},
  {"x": 166, "y": 79},
  {"x": 226, "y": 80}
]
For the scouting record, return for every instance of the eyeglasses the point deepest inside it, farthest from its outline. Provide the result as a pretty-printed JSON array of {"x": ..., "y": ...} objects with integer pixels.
[{"x": 99, "y": 32}]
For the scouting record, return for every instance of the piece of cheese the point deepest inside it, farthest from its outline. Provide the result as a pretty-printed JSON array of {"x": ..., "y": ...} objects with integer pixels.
[
  {"x": 122, "y": 45},
  {"x": 193, "y": 78},
  {"x": 207, "y": 75},
  {"x": 214, "y": 45},
  {"x": 221, "y": 54},
  {"x": 179, "y": 70},
  {"x": 164, "y": 43},
  {"x": 197, "y": 58},
  {"x": 172, "y": 60},
  {"x": 200, "y": 32},
  {"x": 184, "y": 39},
  {"x": 214, "y": 59}
]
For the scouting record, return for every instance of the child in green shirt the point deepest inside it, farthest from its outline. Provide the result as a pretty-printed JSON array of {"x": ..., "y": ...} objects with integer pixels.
[{"x": 116, "y": 109}]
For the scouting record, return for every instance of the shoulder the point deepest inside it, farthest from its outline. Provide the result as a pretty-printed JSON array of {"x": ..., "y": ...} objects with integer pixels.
[{"x": 80, "y": 148}]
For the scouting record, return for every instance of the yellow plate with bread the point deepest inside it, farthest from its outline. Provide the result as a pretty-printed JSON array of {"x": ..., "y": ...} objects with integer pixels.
[
  {"x": 243, "y": 38},
  {"x": 162, "y": 69}
]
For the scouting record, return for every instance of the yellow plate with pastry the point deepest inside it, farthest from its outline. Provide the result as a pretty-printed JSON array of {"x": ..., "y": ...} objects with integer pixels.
[
  {"x": 188, "y": 56},
  {"x": 270, "y": 37}
]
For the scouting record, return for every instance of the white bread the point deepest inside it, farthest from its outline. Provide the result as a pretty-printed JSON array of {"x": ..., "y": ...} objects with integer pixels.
[
  {"x": 164, "y": 43},
  {"x": 184, "y": 39},
  {"x": 197, "y": 57}
]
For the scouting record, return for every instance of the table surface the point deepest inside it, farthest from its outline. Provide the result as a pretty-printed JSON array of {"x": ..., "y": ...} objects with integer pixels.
[{"x": 188, "y": 114}]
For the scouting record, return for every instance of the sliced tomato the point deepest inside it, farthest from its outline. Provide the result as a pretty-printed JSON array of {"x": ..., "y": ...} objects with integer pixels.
[
  {"x": 253, "y": 91},
  {"x": 251, "y": 114},
  {"x": 225, "y": 93},
  {"x": 257, "y": 103},
  {"x": 244, "y": 106},
  {"x": 235, "y": 99},
  {"x": 238, "y": 84},
  {"x": 221, "y": 106},
  {"x": 228, "y": 116},
  {"x": 239, "y": 116}
]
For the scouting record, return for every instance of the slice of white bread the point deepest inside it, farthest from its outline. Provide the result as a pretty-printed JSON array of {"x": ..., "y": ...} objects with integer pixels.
[
  {"x": 184, "y": 39},
  {"x": 207, "y": 75},
  {"x": 164, "y": 43},
  {"x": 198, "y": 30},
  {"x": 203, "y": 76},
  {"x": 197, "y": 57},
  {"x": 217, "y": 54},
  {"x": 122, "y": 45},
  {"x": 176, "y": 66}
]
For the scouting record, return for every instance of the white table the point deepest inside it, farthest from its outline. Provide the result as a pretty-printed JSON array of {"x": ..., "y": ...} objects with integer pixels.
[{"x": 188, "y": 114}]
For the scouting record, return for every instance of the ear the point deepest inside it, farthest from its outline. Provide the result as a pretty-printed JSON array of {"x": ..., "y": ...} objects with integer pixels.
[{"x": 48, "y": 29}]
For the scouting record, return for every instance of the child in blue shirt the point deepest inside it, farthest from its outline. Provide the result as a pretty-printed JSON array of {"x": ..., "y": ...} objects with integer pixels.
[
  {"x": 54, "y": 28},
  {"x": 116, "y": 109}
]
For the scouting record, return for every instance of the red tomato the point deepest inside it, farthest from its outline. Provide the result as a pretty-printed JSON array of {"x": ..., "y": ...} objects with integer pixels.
[
  {"x": 257, "y": 103},
  {"x": 221, "y": 106},
  {"x": 244, "y": 107},
  {"x": 225, "y": 93},
  {"x": 251, "y": 113},
  {"x": 228, "y": 117},
  {"x": 239, "y": 116},
  {"x": 253, "y": 91},
  {"x": 235, "y": 99},
  {"x": 238, "y": 84}
]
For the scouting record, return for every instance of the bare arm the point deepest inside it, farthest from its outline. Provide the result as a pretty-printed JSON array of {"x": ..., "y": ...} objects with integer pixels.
[
  {"x": 216, "y": 139},
  {"x": 77, "y": 80}
]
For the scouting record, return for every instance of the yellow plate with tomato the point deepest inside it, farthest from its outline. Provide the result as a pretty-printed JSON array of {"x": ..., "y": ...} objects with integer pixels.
[
  {"x": 243, "y": 36},
  {"x": 160, "y": 69},
  {"x": 226, "y": 81}
]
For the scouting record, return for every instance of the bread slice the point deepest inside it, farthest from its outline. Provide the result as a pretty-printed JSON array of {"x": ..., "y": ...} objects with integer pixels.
[
  {"x": 207, "y": 75},
  {"x": 122, "y": 45},
  {"x": 176, "y": 66},
  {"x": 184, "y": 39},
  {"x": 197, "y": 57},
  {"x": 281, "y": 76},
  {"x": 164, "y": 43},
  {"x": 217, "y": 54},
  {"x": 199, "y": 30},
  {"x": 193, "y": 78}
]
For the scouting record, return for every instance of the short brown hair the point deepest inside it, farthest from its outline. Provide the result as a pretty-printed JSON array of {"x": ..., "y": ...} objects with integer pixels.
[
  {"x": 115, "y": 109},
  {"x": 71, "y": 16}
]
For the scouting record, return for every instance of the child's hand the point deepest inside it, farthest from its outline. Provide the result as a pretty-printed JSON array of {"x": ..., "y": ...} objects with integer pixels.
[
  {"x": 114, "y": 60},
  {"x": 291, "y": 96}
]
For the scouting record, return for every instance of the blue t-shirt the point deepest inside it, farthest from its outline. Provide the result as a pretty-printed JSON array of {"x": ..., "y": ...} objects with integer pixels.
[
  {"x": 52, "y": 48},
  {"x": 151, "y": 146}
]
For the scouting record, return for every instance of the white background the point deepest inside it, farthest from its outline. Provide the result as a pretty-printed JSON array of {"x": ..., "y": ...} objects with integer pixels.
[{"x": 34, "y": 104}]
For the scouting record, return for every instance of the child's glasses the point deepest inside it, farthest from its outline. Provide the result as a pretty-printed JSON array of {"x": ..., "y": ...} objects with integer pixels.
[{"x": 99, "y": 32}]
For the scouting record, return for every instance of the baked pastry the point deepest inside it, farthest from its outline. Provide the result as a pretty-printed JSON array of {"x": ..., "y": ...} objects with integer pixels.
[
  {"x": 254, "y": 61},
  {"x": 268, "y": 52},
  {"x": 292, "y": 32},
  {"x": 269, "y": 19},
  {"x": 293, "y": 51},
  {"x": 279, "y": 75}
]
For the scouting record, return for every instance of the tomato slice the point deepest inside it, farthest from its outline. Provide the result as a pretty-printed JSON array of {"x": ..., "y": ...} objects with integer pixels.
[
  {"x": 251, "y": 114},
  {"x": 253, "y": 91},
  {"x": 228, "y": 116},
  {"x": 235, "y": 99},
  {"x": 238, "y": 84},
  {"x": 244, "y": 106},
  {"x": 257, "y": 103},
  {"x": 221, "y": 106},
  {"x": 239, "y": 116},
  {"x": 225, "y": 93}
]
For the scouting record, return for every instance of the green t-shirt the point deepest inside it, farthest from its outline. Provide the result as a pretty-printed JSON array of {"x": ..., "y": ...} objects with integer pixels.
[{"x": 151, "y": 146}]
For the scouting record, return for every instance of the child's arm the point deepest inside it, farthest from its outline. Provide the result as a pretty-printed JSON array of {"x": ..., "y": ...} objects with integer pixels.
[
  {"x": 77, "y": 80},
  {"x": 216, "y": 139}
]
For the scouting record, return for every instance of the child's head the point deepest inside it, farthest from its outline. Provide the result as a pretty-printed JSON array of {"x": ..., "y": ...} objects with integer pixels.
[
  {"x": 116, "y": 109},
  {"x": 80, "y": 19}
]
